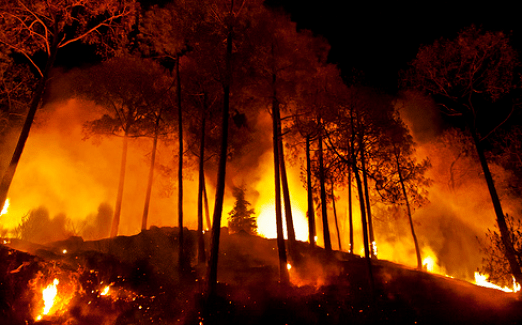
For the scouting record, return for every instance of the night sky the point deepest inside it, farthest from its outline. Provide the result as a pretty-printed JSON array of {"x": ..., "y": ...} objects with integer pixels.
[{"x": 381, "y": 37}]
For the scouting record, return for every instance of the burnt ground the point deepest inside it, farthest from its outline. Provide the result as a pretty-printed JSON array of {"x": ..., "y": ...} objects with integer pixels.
[{"x": 148, "y": 287}]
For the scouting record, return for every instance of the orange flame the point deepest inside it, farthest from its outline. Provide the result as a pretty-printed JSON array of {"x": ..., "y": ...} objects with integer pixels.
[
  {"x": 105, "y": 291},
  {"x": 5, "y": 208},
  {"x": 49, "y": 295},
  {"x": 482, "y": 280}
]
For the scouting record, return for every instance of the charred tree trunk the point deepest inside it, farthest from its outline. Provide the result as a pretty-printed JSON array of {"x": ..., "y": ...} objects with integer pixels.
[
  {"x": 181, "y": 238},
  {"x": 9, "y": 173},
  {"x": 284, "y": 181},
  {"x": 408, "y": 210},
  {"x": 326, "y": 231},
  {"x": 119, "y": 199},
  {"x": 151, "y": 177},
  {"x": 350, "y": 209},
  {"x": 501, "y": 220},
  {"x": 311, "y": 213},
  {"x": 220, "y": 186},
  {"x": 207, "y": 212},
  {"x": 201, "y": 239},
  {"x": 335, "y": 217},
  {"x": 367, "y": 199},
  {"x": 283, "y": 270},
  {"x": 364, "y": 225}
]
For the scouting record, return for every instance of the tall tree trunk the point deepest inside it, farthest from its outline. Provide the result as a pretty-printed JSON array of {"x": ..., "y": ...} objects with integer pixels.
[
  {"x": 408, "y": 210},
  {"x": 181, "y": 244},
  {"x": 119, "y": 198},
  {"x": 335, "y": 217},
  {"x": 201, "y": 239},
  {"x": 220, "y": 186},
  {"x": 367, "y": 199},
  {"x": 284, "y": 181},
  {"x": 326, "y": 231},
  {"x": 150, "y": 179},
  {"x": 283, "y": 270},
  {"x": 350, "y": 209},
  {"x": 364, "y": 225},
  {"x": 310, "y": 213},
  {"x": 207, "y": 212},
  {"x": 501, "y": 220},
  {"x": 9, "y": 173}
]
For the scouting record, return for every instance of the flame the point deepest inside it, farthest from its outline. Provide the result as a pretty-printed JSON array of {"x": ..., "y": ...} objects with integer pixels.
[
  {"x": 105, "y": 291},
  {"x": 428, "y": 263},
  {"x": 288, "y": 266},
  {"x": 5, "y": 208},
  {"x": 266, "y": 226},
  {"x": 49, "y": 294},
  {"x": 374, "y": 248},
  {"x": 482, "y": 280}
]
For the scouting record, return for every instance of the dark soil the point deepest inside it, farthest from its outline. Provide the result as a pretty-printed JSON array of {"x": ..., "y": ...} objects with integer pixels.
[{"x": 148, "y": 287}]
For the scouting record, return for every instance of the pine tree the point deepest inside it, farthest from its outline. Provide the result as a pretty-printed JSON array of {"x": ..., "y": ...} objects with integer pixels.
[{"x": 241, "y": 217}]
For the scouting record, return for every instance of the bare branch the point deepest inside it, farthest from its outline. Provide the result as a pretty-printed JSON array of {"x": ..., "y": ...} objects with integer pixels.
[
  {"x": 46, "y": 37},
  {"x": 24, "y": 54},
  {"x": 103, "y": 23}
]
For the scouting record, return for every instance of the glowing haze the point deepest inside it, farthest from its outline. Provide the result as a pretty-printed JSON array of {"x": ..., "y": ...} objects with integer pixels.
[{"x": 68, "y": 175}]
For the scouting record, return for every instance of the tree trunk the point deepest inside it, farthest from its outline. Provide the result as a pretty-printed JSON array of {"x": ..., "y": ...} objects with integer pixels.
[
  {"x": 311, "y": 213},
  {"x": 367, "y": 199},
  {"x": 284, "y": 181},
  {"x": 364, "y": 225},
  {"x": 326, "y": 231},
  {"x": 283, "y": 270},
  {"x": 9, "y": 173},
  {"x": 220, "y": 186},
  {"x": 350, "y": 209},
  {"x": 408, "y": 210},
  {"x": 207, "y": 212},
  {"x": 180, "y": 171},
  {"x": 501, "y": 220},
  {"x": 119, "y": 199},
  {"x": 335, "y": 217},
  {"x": 151, "y": 177},
  {"x": 201, "y": 239}
]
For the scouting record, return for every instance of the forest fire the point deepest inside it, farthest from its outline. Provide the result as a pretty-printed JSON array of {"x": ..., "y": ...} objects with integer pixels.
[{"x": 248, "y": 123}]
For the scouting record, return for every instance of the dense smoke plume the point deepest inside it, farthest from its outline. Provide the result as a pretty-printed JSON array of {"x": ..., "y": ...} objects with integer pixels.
[{"x": 453, "y": 225}]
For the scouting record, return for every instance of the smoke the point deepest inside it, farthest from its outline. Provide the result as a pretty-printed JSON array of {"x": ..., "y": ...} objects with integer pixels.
[
  {"x": 421, "y": 114},
  {"x": 66, "y": 174},
  {"x": 453, "y": 225}
]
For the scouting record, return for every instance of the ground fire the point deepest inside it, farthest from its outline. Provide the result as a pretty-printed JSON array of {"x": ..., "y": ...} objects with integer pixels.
[
  {"x": 209, "y": 162},
  {"x": 102, "y": 282}
]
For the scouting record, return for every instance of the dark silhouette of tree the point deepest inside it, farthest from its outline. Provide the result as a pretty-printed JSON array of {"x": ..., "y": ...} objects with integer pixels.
[
  {"x": 98, "y": 225},
  {"x": 472, "y": 76},
  {"x": 242, "y": 218},
  {"x": 494, "y": 263},
  {"x": 30, "y": 28},
  {"x": 401, "y": 179},
  {"x": 38, "y": 227},
  {"x": 170, "y": 31},
  {"x": 230, "y": 21},
  {"x": 132, "y": 92}
]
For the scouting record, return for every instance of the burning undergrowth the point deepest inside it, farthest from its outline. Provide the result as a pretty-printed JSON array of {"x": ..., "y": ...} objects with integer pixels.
[{"x": 136, "y": 280}]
